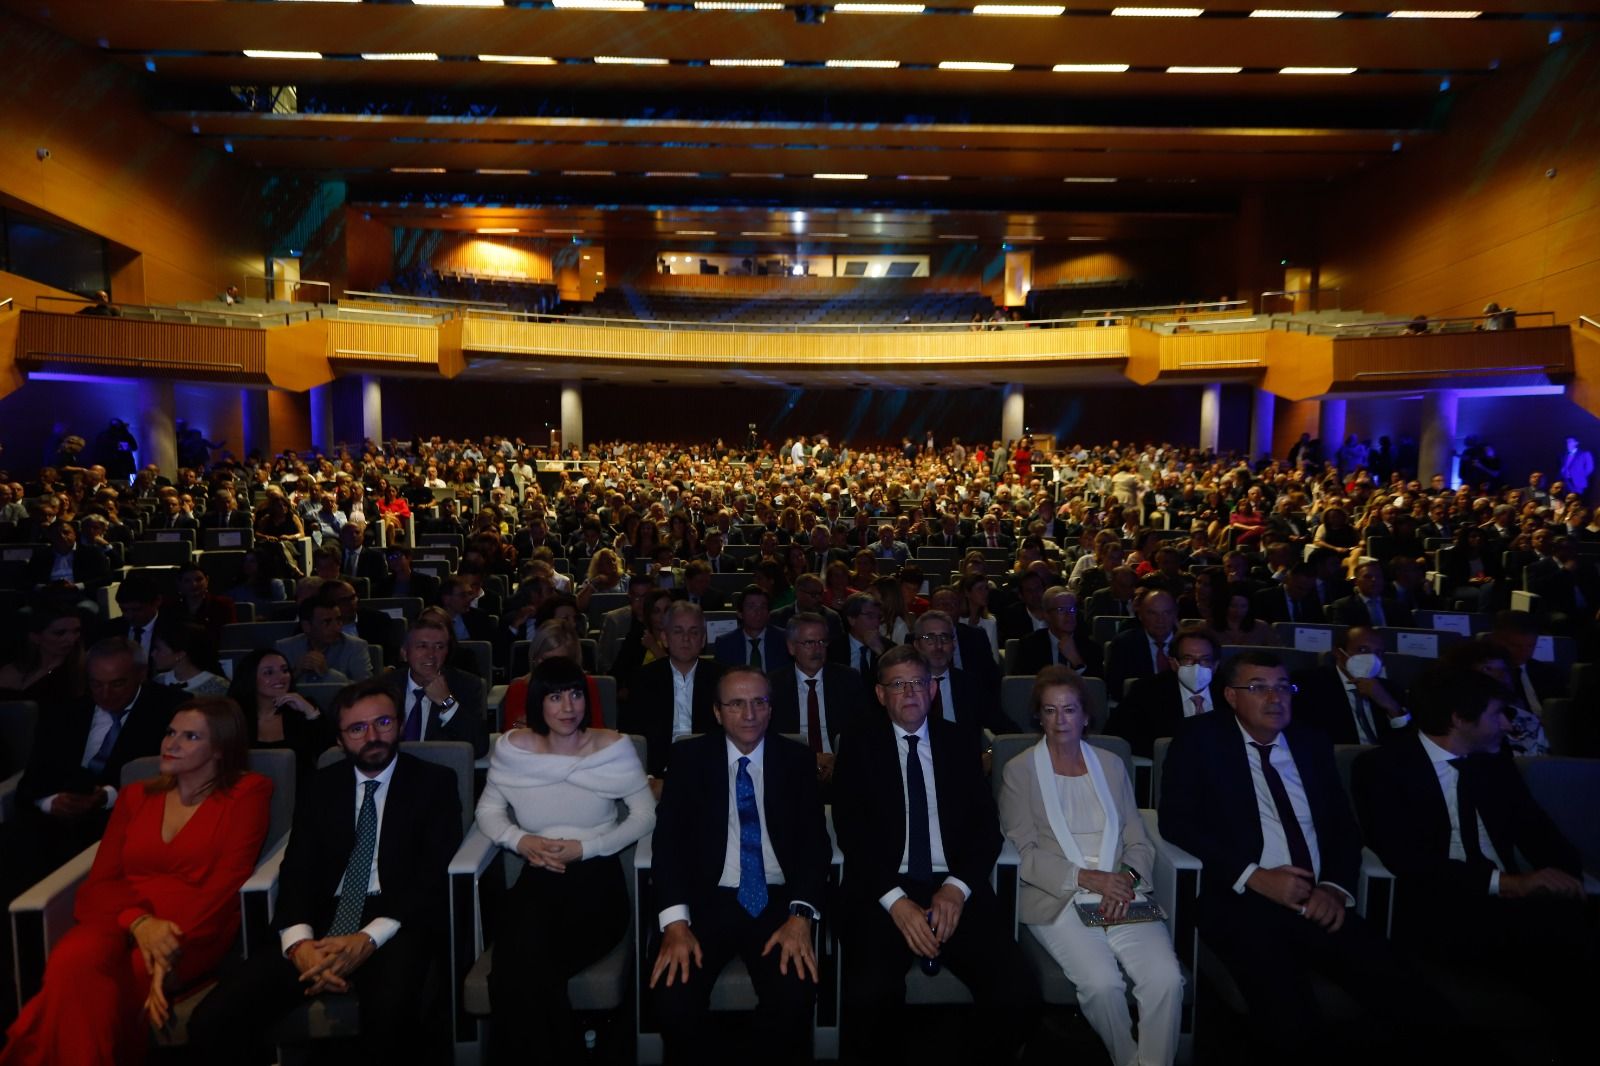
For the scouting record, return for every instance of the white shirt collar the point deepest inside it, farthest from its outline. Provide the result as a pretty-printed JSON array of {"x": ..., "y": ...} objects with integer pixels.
[
  {"x": 681, "y": 675},
  {"x": 382, "y": 778},
  {"x": 1250, "y": 741},
  {"x": 1436, "y": 753},
  {"x": 756, "y": 757},
  {"x": 921, "y": 731}
]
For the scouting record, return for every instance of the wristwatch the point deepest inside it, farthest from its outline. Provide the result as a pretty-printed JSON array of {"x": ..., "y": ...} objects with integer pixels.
[
  {"x": 447, "y": 704},
  {"x": 804, "y": 910}
]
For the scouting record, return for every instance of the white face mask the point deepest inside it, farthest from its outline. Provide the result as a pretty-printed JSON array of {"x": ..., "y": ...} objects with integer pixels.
[
  {"x": 1194, "y": 676},
  {"x": 1363, "y": 665}
]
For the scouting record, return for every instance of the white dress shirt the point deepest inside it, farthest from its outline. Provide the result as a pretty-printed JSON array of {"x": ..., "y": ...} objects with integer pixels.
[
  {"x": 935, "y": 838},
  {"x": 380, "y": 930},
  {"x": 1186, "y": 700},
  {"x": 803, "y": 691},
  {"x": 1525, "y": 689},
  {"x": 682, "y": 698},
  {"x": 1449, "y": 779},
  {"x": 61, "y": 569},
  {"x": 1274, "y": 843}
]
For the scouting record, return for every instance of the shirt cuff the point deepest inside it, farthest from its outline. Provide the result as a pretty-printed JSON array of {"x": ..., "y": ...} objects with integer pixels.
[
  {"x": 815, "y": 910},
  {"x": 1400, "y": 721},
  {"x": 381, "y": 930},
  {"x": 680, "y": 913},
  {"x": 44, "y": 804},
  {"x": 293, "y": 935},
  {"x": 961, "y": 886},
  {"x": 1494, "y": 883},
  {"x": 1349, "y": 900},
  {"x": 445, "y": 716},
  {"x": 1239, "y": 885},
  {"x": 111, "y": 797},
  {"x": 891, "y": 897}
]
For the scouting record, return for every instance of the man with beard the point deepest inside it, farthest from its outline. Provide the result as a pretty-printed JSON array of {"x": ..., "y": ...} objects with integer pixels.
[{"x": 378, "y": 829}]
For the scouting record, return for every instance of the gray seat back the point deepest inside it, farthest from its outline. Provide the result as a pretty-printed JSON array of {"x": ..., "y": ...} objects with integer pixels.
[
  {"x": 454, "y": 755},
  {"x": 278, "y": 764}
]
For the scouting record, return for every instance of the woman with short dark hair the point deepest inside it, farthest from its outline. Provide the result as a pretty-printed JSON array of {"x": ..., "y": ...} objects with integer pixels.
[{"x": 551, "y": 797}]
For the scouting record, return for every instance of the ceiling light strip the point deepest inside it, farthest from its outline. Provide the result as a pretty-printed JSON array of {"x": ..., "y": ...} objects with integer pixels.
[
  {"x": 274, "y": 53},
  {"x": 598, "y": 5},
  {"x": 839, "y": 177},
  {"x": 1090, "y": 68},
  {"x": 863, "y": 64},
  {"x": 1434, "y": 14},
  {"x": 1158, "y": 12},
  {"x": 629, "y": 61},
  {"x": 1281, "y": 13},
  {"x": 1020, "y": 10},
  {"x": 1204, "y": 70},
  {"x": 529, "y": 61},
  {"x": 400, "y": 57},
  {"x": 965, "y": 64},
  {"x": 734, "y": 5},
  {"x": 880, "y": 9},
  {"x": 1318, "y": 70},
  {"x": 746, "y": 62}
]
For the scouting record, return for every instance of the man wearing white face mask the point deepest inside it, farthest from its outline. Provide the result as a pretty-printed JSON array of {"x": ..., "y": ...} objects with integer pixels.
[
  {"x": 1351, "y": 701},
  {"x": 1157, "y": 705}
]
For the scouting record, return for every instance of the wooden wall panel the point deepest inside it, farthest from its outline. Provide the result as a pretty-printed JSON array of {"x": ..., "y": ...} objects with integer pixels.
[
  {"x": 520, "y": 256},
  {"x": 122, "y": 345}
]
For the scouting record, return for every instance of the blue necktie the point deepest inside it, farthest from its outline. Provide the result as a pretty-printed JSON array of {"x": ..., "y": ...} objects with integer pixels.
[
  {"x": 358, "y": 871},
  {"x": 97, "y": 765},
  {"x": 752, "y": 871},
  {"x": 919, "y": 839},
  {"x": 413, "y": 727}
]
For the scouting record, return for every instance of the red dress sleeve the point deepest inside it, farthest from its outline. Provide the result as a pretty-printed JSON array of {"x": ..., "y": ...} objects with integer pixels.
[
  {"x": 515, "y": 707},
  {"x": 597, "y": 713},
  {"x": 107, "y": 894}
]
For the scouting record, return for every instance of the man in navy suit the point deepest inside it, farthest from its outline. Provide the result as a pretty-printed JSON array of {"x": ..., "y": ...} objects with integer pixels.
[
  {"x": 1146, "y": 648},
  {"x": 755, "y": 642},
  {"x": 740, "y": 868},
  {"x": 820, "y": 700},
  {"x": 1369, "y": 605},
  {"x": 1257, "y": 799},
  {"x": 954, "y": 695}
]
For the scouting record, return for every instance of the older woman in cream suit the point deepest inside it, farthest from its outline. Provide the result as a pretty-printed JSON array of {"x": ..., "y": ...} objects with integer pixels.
[{"x": 1069, "y": 809}]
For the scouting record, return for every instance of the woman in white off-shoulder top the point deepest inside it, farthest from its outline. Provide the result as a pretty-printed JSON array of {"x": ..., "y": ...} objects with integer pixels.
[{"x": 553, "y": 797}]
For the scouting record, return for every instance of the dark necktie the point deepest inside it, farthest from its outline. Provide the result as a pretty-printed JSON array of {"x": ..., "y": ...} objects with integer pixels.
[
  {"x": 1366, "y": 727},
  {"x": 1294, "y": 613},
  {"x": 1299, "y": 850},
  {"x": 752, "y": 871},
  {"x": 413, "y": 727},
  {"x": 919, "y": 838},
  {"x": 138, "y": 635},
  {"x": 755, "y": 652},
  {"x": 1467, "y": 813},
  {"x": 936, "y": 707},
  {"x": 97, "y": 765},
  {"x": 813, "y": 717},
  {"x": 866, "y": 661},
  {"x": 1375, "y": 612},
  {"x": 358, "y": 871},
  {"x": 1163, "y": 664}
]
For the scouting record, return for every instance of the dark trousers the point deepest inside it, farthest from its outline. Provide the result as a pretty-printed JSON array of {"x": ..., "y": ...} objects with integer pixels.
[
  {"x": 1271, "y": 953},
  {"x": 37, "y": 843},
  {"x": 551, "y": 927},
  {"x": 982, "y": 953},
  {"x": 787, "y": 1001},
  {"x": 391, "y": 986}
]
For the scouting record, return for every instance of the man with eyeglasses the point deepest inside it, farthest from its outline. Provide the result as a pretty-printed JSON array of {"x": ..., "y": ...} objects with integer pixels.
[
  {"x": 1350, "y": 699},
  {"x": 741, "y": 869},
  {"x": 863, "y": 644},
  {"x": 1146, "y": 648},
  {"x": 754, "y": 642},
  {"x": 820, "y": 700},
  {"x": 361, "y": 896},
  {"x": 1156, "y": 706},
  {"x": 1257, "y": 799},
  {"x": 1062, "y": 644},
  {"x": 916, "y": 822},
  {"x": 673, "y": 696},
  {"x": 954, "y": 695}
]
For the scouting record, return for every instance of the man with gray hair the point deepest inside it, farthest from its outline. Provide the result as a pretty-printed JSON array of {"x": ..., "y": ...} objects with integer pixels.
[
  {"x": 673, "y": 697},
  {"x": 954, "y": 695}
]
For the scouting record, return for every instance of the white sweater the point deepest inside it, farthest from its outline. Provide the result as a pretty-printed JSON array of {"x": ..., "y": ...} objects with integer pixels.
[{"x": 566, "y": 797}]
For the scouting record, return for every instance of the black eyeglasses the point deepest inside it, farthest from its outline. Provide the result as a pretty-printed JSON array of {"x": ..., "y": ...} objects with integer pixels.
[{"x": 1261, "y": 688}]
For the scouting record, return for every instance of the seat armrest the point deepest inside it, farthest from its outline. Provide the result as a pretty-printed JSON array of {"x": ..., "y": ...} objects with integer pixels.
[
  {"x": 643, "y": 852},
  {"x": 1009, "y": 855},
  {"x": 497, "y": 700},
  {"x": 1375, "y": 891},
  {"x": 474, "y": 855},
  {"x": 41, "y": 916},
  {"x": 1176, "y": 884},
  {"x": 8, "y": 797},
  {"x": 258, "y": 897}
]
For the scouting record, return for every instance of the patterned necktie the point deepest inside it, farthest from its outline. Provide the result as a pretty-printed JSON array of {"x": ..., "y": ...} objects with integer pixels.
[
  {"x": 413, "y": 727},
  {"x": 752, "y": 872},
  {"x": 1293, "y": 835},
  {"x": 1199, "y": 702},
  {"x": 813, "y": 717},
  {"x": 358, "y": 871},
  {"x": 919, "y": 838},
  {"x": 755, "y": 652}
]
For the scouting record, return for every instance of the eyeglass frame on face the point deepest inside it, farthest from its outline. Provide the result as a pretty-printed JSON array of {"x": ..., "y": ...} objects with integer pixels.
[
  {"x": 1259, "y": 688},
  {"x": 738, "y": 705},
  {"x": 936, "y": 638},
  {"x": 814, "y": 642},
  {"x": 1195, "y": 660},
  {"x": 903, "y": 685},
  {"x": 383, "y": 722}
]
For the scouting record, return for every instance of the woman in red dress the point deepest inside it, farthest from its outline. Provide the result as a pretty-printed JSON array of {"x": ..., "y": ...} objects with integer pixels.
[
  {"x": 160, "y": 907},
  {"x": 556, "y": 639}
]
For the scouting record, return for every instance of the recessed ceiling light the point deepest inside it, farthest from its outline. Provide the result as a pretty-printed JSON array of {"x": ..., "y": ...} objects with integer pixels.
[
  {"x": 1204, "y": 70},
  {"x": 1090, "y": 68},
  {"x": 1159, "y": 12},
  {"x": 672, "y": 173},
  {"x": 747, "y": 62},
  {"x": 1280, "y": 13},
  {"x": 502, "y": 170},
  {"x": 629, "y": 61},
  {"x": 1085, "y": 238},
  {"x": 1036, "y": 10},
  {"x": 830, "y": 234},
  {"x": 1317, "y": 70},
  {"x": 497, "y": 229},
  {"x": 922, "y": 177},
  {"x": 416, "y": 170},
  {"x": 748, "y": 174},
  {"x": 757, "y": 233},
  {"x": 880, "y": 9},
  {"x": 963, "y": 64},
  {"x": 1089, "y": 181},
  {"x": 696, "y": 233},
  {"x": 588, "y": 173},
  {"x": 530, "y": 61},
  {"x": 734, "y": 5},
  {"x": 400, "y": 57},
  {"x": 459, "y": 3},
  {"x": 1022, "y": 237},
  {"x": 1434, "y": 14},
  {"x": 864, "y": 64},
  {"x": 840, "y": 177},
  {"x": 599, "y": 5},
  {"x": 564, "y": 231},
  {"x": 274, "y": 53},
  {"x": 958, "y": 236}
]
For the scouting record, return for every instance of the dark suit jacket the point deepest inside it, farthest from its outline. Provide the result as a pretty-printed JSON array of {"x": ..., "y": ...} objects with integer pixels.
[
  {"x": 1101, "y": 603},
  {"x": 1014, "y": 622},
  {"x": 1352, "y": 611},
  {"x": 977, "y": 709},
  {"x": 713, "y": 600},
  {"x": 423, "y": 586},
  {"x": 977, "y": 658},
  {"x": 1152, "y": 710},
  {"x": 1128, "y": 656},
  {"x": 844, "y": 699},
  {"x": 1208, "y": 802},
  {"x": 1403, "y": 811},
  {"x": 1270, "y": 605},
  {"x": 1558, "y": 586},
  {"x": 648, "y": 712},
  {"x": 1322, "y": 704},
  {"x": 420, "y": 832},
  {"x": 780, "y": 619},
  {"x": 691, "y": 835},
  {"x": 980, "y": 539},
  {"x": 1034, "y": 653},
  {"x": 469, "y": 723},
  {"x": 234, "y": 519},
  {"x": 480, "y": 626},
  {"x": 90, "y": 566},
  {"x": 733, "y": 649},
  {"x": 869, "y": 809},
  {"x": 56, "y": 762}
]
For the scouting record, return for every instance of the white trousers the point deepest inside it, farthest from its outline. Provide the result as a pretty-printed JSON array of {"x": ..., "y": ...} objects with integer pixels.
[{"x": 1090, "y": 958}]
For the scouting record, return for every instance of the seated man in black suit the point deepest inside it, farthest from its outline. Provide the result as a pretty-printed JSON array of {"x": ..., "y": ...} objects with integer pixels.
[
  {"x": 1350, "y": 700},
  {"x": 808, "y": 590},
  {"x": 64, "y": 559},
  {"x": 68, "y": 788},
  {"x": 1450, "y": 818},
  {"x": 1532, "y": 681},
  {"x": 1256, "y": 797},
  {"x": 1568, "y": 585},
  {"x": 1116, "y": 598},
  {"x": 1062, "y": 644},
  {"x": 972, "y": 650},
  {"x": 673, "y": 696},
  {"x": 755, "y": 641},
  {"x": 361, "y": 896},
  {"x": 438, "y": 702},
  {"x": 820, "y": 700},
  {"x": 1146, "y": 648},
  {"x": 466, "y": 621},
  {"x": 741, "y": 858},
  {"x": 1370, "y": 604},
  {"x": 916, "y": 822},
  {"x": 989, "y": 534},
  {"x": 403, "y": 581},
  {"x": 140, "y": 601},
  {"x": 955, "y": 695},
  {"x": 1295, "y": 600},
  {"x": 863, "y": 644},
  {"x": 1026, "y": 614},
  {"x": 697, "y": 588},
  {"x": 1157, "y": 705}
]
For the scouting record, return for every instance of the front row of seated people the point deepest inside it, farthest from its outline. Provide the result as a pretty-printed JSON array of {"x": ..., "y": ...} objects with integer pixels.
[{"x": 741, "y": 861}]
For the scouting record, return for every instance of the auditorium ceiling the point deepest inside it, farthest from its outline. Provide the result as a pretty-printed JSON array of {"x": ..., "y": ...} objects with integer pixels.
[{"x": 930, "y": 122}]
